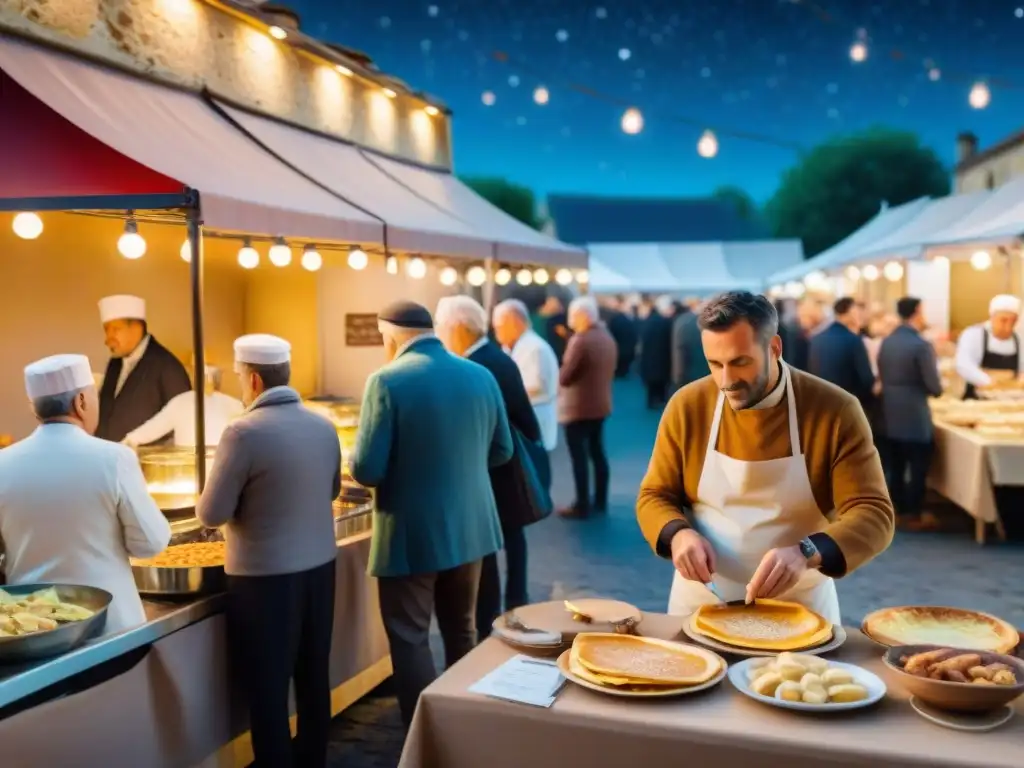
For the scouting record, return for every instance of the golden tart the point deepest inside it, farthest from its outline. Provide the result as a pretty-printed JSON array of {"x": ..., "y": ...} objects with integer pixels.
[{"x": 938, "y": 625}]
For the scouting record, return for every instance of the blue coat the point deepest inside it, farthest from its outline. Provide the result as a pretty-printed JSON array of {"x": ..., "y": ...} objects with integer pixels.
[
  {"x": 431, "y": 427},
  {"x": 910, "y": 375},
  {"x": 838, "y": 355}
]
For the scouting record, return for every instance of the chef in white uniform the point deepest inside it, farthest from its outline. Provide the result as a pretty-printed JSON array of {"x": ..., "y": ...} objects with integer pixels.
[
  {"x": 73, "y": 507},
  {"x": 178, "y": 417},
  {"x": 990, "y": 346}
]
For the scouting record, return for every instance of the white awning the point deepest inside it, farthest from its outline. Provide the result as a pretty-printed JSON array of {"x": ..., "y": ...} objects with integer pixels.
[
  {"x": 414, "y": 223},
  {"x": 515, "y": 241},
  {"x": 701, "y": 268},
  {"x": 640, "y": 263},
  {"x": 604, "y": 279},
  {"x": 242, "y": 187},
  {"x": 999, "y": 217}
]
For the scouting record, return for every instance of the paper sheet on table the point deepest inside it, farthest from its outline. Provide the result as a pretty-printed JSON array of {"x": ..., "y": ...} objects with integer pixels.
[{"x": 524, "y": 680}]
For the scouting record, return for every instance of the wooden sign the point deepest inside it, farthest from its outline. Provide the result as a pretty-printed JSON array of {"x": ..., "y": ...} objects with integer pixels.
[{"x": 361, "y": 331}]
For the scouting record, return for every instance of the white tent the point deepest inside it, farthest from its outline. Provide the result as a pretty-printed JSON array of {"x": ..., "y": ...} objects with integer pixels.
[
  {"x": 999, "y": 217},
  {"x": 641, "y": 264},
  {"x": 603, "y": 279}
]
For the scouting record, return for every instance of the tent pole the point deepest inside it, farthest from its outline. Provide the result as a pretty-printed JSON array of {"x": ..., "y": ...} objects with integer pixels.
[{"x": 195, "y": 240}]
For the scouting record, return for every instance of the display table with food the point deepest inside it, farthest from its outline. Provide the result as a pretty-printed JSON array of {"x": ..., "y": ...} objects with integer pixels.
[{"x": 641, "y": 699}]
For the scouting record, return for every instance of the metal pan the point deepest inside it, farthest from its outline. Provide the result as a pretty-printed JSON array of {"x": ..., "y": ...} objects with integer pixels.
[
  {"x": 152, "y": 581},
  {"x": 66, "y": 637}
]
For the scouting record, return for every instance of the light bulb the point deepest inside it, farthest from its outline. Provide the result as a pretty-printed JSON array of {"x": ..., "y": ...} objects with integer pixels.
[
  {"x": 391, "y": 265},
  {"x": 776, "y": 291},
  {"x": 488, "y": 98},
  {"x": 795, "y": 289},
  {"x": 942, "y": 260},
  {"x": 431, "y": 110},
  {"x": 563, "y": 277},
  {"x": 541, "y": 95},
  {"x": 186, "y": 251},
  {"x": 502, "y": 276},
  {"x": 815, "y": 279},
  {"x": 524, "y": 277},
  {"x": 449, "y": 276},
  {"x": 390, "y": 93},
  {"x": 981, "y": 260},
  {"x": 416, "y": 268},
  {"x": 980, "y": 96},
  {"x": 357, "y": 259},
  {"x": 278, "y": 33},
  {"x": 476, "y": 276},
  {"x": 893, "y": 271},
  {"x": 870, "y": 273},
  {"x": 541, "y": 276},
  {"x": 280, "y": 254},
  {"x": 582, "y": 276},
  {"x": 27, "y": 226},
  {"x": 852, "y": 274},
  {"x": 632, "y": 121},
  {"x": 311, "y": 258},
  {"x": 708, "y": 144},
  {"x": 858, "y": 52},
  {"x": 248, "y": 257},
  {"x": 131, "y": 244}
]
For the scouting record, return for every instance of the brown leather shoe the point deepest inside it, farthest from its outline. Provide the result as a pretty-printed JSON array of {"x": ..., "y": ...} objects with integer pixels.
[
  {"x": 926, "y": 522},
  {"x": 573, "y": 513}
]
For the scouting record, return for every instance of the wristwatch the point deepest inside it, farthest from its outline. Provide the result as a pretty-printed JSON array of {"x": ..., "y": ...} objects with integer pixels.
[{"x": 807, "y": 548}]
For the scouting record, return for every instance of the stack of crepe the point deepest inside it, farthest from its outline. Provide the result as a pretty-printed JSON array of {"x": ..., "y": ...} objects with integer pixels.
[
  {"x": 764, "y": 625},
  {"x": 640, "y": 664}
]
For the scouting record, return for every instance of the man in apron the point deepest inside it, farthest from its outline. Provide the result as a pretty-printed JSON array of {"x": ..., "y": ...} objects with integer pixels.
[
  {"x": 991, "y": 346},
  {"x": 764, "y": 481}
]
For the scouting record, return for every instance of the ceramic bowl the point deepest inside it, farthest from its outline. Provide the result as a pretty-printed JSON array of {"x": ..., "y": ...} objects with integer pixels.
[{"x": 956, "y": 697}]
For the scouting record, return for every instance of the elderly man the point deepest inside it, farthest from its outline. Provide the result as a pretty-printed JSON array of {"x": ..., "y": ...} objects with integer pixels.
[
  {"x": 585, "y": 401},
  {"x": 991, "y": 349},
  {"x": 537, "y": 364},
  {"x": 432, "y": 425},
  {"x": 275, "y": 476},
  {"x": 461, "y": 325},
  {"x": 73, "y": 508},
  {"x": 764, "y": 481},
  {"x": 178, "y": 417},
  {"x": 142, "y": 375}
]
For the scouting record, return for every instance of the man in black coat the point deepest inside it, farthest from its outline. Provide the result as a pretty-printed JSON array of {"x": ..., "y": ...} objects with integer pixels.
[
  {"x": 142, "y": 376},
  {"x": 656, "y": 352},
  {"x": 838, "y": 354},
  {"x": 461, "y": 324},
  {"x": 622, "y": 327}
]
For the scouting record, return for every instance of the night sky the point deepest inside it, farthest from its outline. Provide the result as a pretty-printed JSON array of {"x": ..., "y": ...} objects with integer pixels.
[{"x": 774, "y": 67}]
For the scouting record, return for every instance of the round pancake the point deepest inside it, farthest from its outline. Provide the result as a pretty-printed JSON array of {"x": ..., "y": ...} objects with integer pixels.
[
  {"x": 771, "y": 625},
  {"x": 627, "y": 659},
  {"x": 936, "y": 625}
]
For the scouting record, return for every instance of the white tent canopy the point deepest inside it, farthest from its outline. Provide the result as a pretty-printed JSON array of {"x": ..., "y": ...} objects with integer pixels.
[{"x": 999, "y": 217}]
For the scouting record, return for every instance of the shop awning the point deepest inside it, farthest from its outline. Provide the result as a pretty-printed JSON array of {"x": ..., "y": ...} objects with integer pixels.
[
  {"x": 414, "y": 223},
  {"x": 515, "y": 241},
  {"x": 999, "y": 217},
  {"x": 641, "y": 264},
  {"x": 604, "y": 279},
  {"x": 178, "y": 136},
  {"x": 701, "y": 268}
]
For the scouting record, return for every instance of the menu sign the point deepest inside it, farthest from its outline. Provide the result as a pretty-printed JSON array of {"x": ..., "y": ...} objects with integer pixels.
[{"x": 361, "y": 331}]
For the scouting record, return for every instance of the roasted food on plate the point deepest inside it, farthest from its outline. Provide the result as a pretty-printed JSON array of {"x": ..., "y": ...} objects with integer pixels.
[
  {"x": 812, "y": 680},
  {"x": 769, "y": 625},
  {"x": 640, "y": 663},
  {"x": 955, "y": 666},
  {"x": 953, "y": 627},
  {"x": 38, "y": 612},
  {"x": 199, "y": 554}
]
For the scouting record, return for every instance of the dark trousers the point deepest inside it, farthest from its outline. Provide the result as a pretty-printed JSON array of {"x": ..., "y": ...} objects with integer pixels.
[
  {"x": 586, "y": 445},
  {"x": 406, "y": 606},
  {"x": 906, "y": 473},
  {"x": 657, "y": 394},
  {"x": 279, "y": 630},
  {"x": 488, "y": 602}
]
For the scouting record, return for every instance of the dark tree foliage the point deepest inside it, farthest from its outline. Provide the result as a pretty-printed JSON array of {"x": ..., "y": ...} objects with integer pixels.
[
  {"x": 740, "y": 200},
  {"x": 515, "y": 200}
]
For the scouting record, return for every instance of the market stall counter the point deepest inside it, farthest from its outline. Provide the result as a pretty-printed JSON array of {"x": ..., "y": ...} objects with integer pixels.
[{"x": 454, "y": 728}]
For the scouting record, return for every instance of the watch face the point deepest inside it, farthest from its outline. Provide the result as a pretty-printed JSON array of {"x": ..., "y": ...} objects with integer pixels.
[{"x": 807, "y": 548}]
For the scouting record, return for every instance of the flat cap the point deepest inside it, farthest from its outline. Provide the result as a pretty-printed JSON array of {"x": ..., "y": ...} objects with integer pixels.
[{"x": 406, "y": 314}]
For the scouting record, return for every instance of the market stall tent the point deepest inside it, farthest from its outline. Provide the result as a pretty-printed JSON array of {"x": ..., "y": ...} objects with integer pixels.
[
  {"x": 701, "y": 268},
  {"x": 1000, "y": 218},
  {"x": 604, "y": 279},
  {"x": 641, "y": 264}
]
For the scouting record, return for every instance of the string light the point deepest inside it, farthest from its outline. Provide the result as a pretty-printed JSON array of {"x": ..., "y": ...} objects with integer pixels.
[
  {"x": 488, "y": 98},
  {"x": 563, "y": 277},
  {"x": 582, "y": 276},
  {"x": 980, "y": 96},
  {"x": 794, "y": 289},
  {"x": 852, "y": 274},
  {"x": 632, "y": 121},
  {"x": 431, "y": 110},
  {"x": 870, "y": 273},
  {"x": 280, "y": 254},
  {"x": 858, "y": 52},
  {"x": 449, "y": 276},
  {"x": 981, "y": 260},
  {"x": 503, "y": 276},
  {"x": 708, "y": 144},
  {"x": 541, "y": 276},
  {"x": 311, "y": 258},
  {"x": 248, "y": 257},
  {"x": 186, "y": 251},
  {"x": 416, "y": 268},
  {"x": 343, "y": 70},
  {"x": 278, "y": 33},
  {"x": 942, "y": 261},
  {"x": 389, "y": 93},
  {"x": 541, "y": 95},
  {"x": 357, "y": 259},
  {"x": 476, "y": 276},
  {"x": 391, "y": 265},
  {"x": 524, "y": 277},
  {"x": 815, "y": 280},
  {"x": 131, "y": 244},
  {"x": 27, "y": 226},
  {"x": 893, "y": 271}
]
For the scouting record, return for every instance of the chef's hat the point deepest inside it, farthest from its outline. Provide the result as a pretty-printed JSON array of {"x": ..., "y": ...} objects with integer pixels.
[
  {"x": 1004, "y": 302},
  {"x": 262, "y": 349},
  {"x": 122, "y": 308},
  {"x": 57, "y": 374}
]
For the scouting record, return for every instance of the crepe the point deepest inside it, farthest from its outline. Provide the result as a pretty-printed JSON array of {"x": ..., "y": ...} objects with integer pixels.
[
  {"x": 953, "y": 627},
  {"x": 619, "y": 660},
  {"x": 768, "y": 625}
]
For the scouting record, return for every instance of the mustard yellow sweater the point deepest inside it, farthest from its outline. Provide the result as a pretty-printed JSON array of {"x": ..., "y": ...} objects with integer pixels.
[{"x": 842, "y": 462}]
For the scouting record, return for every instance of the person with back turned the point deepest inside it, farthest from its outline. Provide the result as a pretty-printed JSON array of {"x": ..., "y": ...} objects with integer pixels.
[{"x": 274, "y": 479}]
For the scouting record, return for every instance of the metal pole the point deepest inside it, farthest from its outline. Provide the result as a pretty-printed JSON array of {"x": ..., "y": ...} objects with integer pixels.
[
  {"x": 488, "y": 290},
  {"x": 195, "y": 240}
]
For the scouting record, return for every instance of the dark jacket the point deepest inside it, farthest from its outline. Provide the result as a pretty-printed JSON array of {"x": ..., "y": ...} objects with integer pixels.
[
  {"x": 586, "y": 376},
  {"x": 838, "y": 355},
  {"x": 910, "y": 375},
  {"x": 656, "y": 349},
  {"x": 795, "y": 345},
  {"x": 156, "y": 378},
  {"x": 623, "y": 329},
  {"x": 688, "y": 361},
  {"x": 554, "y": 327}
]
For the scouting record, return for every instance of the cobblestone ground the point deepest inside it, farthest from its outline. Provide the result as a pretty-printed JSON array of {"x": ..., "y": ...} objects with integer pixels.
[{"x": 606, "y": 556}]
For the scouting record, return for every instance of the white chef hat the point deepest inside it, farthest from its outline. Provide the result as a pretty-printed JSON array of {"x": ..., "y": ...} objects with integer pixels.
[
  {"x": 122, "y": 307},
  {"x": 262, "y": 349},
  {"x": 1004, "y": 302},
  {"x": 57, "y": 374}
]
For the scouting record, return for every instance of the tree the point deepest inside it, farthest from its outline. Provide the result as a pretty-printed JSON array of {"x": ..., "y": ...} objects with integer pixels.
[
  {"x": 838, "y": 186},
  {"x": 515, "y": 200},
  {"x": 740, "y": 200}
]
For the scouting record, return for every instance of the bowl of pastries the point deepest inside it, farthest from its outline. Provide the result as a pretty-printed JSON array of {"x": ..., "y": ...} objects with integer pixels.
[
  {"x": 956, "y": 679},
  {"x": 807, "y": 683},
  {"x": 38, "y": 621}
]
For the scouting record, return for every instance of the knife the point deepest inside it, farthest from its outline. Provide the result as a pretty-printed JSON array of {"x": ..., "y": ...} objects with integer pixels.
[{"x": 729, "y": 603}]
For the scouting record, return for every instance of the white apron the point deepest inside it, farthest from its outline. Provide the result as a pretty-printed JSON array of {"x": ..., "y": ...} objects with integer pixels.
[{"x": 744, "y": 509}]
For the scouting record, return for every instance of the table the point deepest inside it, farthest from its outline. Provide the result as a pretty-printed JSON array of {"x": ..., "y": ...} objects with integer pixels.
[{"x": 453, "y": 728}]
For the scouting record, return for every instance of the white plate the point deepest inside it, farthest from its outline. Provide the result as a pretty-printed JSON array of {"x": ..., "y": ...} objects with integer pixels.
[
  {"x": 563, "y": 667},
  {"x": 975, "y": 722},
  {"x": 838, "y": 638},
  {"x": 739, "y": 673}
]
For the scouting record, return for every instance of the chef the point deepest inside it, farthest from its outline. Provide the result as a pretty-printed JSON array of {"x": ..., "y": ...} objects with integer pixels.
[
  {"x": 764, "y": 480},
  {"x": 142, "y": 376},
  {"x": 178, "y": 417},
  {"x": 990, "y": 346},
  {"x": 74, "y": 508}
]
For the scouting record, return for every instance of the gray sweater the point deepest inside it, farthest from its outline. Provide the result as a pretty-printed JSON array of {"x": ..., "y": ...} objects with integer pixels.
[{"x": 275, "y": 475}]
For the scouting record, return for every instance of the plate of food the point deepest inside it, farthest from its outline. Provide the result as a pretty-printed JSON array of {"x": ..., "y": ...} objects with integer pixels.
[
  {"x": 42, "y": 620},
  {"x": 940, "y": 626},
  {"x": 762, "y": 628},
  {"x": 807, "y": 683},
  {"x": 639, "y": 667},
  {"x": 955, "y": 679}
]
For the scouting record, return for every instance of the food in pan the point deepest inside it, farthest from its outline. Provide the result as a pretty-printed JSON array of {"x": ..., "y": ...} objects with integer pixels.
[
  {"x": 808, "y": 679},
  {"x": 640, "y": 663},
  {"x": 954, "y": 627},
  {"x": 770, "y": 625},
  {"x": 955, "y": 666},
  {"x": 199, "y": 554},
  {"x": 38, "y": 612}
]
